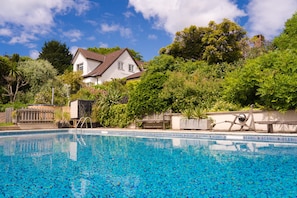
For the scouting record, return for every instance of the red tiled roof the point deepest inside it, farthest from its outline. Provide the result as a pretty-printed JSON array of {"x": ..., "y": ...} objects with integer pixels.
[
  {"x": 109, "y": 60},
  {"x": 135, "y": 75}
]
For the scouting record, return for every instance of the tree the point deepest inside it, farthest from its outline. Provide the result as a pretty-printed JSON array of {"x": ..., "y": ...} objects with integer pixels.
[
  {"x": 144, "y": 99},
  {"x": 103, "y": 50},
  {"x": 216, "y": 43},
  {"x": 37, "y": 73},
  {"x": 269, "y": 80},
  {"x": 110, "y": 107},
  {"x": 15, "y": 80},
  {"x": 73, "y": 79},
  {"x": 57, "y": 54},
  {"x": 288, "y": 38}
]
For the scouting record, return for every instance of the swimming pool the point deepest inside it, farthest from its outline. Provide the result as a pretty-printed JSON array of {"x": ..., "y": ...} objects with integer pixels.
[{"x": 142, "y": 164}]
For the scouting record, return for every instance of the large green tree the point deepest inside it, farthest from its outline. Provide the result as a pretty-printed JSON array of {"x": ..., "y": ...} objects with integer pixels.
[
  {"x": 57, "y": 54},
  {"x": 144, "y": 99},
  {"x": 37, "y": 73},
  {"x": 288, "y": 38},
  {"x": 215, "y": 44},
  {"x": 269, "y": 80}
]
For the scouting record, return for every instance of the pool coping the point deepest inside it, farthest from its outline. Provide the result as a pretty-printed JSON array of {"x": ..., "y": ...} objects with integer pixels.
[{"x": 184, "y": 134}]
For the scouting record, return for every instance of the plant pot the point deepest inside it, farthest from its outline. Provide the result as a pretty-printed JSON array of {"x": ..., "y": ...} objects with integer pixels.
[{"x": 195, "y": 124}]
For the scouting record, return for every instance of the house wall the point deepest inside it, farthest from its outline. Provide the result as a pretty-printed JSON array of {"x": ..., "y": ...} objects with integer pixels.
[
  {"x": 113, "y": 72},
  {"x": 89, "y": 65}
]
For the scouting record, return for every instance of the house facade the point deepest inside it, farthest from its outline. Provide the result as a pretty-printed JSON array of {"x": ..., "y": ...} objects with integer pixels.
[{"x": 97, "y": 68}]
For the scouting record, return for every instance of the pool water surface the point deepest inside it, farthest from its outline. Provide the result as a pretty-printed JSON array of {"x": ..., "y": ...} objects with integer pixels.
[{"x": 69, "y": 165}]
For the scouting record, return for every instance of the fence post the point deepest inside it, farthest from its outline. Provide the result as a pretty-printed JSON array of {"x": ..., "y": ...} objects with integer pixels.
[{"x": 8, "y": 115}]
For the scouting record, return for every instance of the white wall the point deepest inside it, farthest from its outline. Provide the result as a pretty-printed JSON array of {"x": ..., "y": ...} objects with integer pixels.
[
  {"x": 113, "y": 71},
  {"x": 89, "y": 65},
  {"x": 221, "y": 118}
]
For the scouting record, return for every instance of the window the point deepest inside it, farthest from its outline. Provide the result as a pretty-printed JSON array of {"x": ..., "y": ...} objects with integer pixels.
[
  {"x": 80, "y": 67},
  {"x": 131, "y": 68},
  {"x": 120, "y": 65}
]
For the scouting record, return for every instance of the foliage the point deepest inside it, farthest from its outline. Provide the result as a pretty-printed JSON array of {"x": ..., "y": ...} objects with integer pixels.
[
  {"x": 72, "y": 79},
  {"x": 60, "y": 93},
  {"x": 57, "y": 54},
  {"x": 15, "y": 81},
  {"x": 215, "y": 44},
  {"x": 86, "y": 93},
  {"x": 103, "y": 50},
  {"x": 61, "y": 117},
  {"x": 110, "y": 109},
  {"x": 15, "y": 105},
  {"x": 117, "y": 116},
  {"x": 258, "y": 47},
  {"x": 221, "y": 105},
  {"x": 37, "y": 73},
  {"x": 144, "y": 99},
  {"x": 197, "y": 88},
  {"x": 288, "y": 38},
  {"x": 197, "y": 113},
  {"x": 269, "y": 80}
]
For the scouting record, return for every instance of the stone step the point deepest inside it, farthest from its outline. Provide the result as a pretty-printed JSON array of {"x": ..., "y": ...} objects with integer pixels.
[
  {"x": 9, "y": 128},
  {"x": 28, "y": 126}
]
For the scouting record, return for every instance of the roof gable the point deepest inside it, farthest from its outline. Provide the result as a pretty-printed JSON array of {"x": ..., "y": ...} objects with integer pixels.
[
  {"x": 108, "y": 61},
  {"x": 89, "y": 55}
]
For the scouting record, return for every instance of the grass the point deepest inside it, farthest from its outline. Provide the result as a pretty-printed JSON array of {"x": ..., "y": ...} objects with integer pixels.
[{"x": 3, "y": 124}]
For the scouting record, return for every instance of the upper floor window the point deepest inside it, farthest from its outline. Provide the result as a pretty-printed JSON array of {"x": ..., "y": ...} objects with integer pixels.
[
  {"x": 80, "y": 67},
  {"x": 131, "y": 68},
  {"x": 120, "y": 65}
]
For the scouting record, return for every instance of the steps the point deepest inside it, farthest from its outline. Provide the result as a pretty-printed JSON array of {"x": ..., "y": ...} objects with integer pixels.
[{"x": 28, "y": 126}]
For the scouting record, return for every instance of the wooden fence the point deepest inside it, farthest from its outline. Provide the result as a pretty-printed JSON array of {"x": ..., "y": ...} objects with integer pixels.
[{"x": 34, "y": 116}]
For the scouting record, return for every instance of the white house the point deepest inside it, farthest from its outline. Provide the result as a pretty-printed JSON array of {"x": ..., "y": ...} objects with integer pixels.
[{"x": 98, "y": 68}]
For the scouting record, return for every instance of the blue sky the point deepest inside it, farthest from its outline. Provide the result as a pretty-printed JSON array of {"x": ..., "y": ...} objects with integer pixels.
[{"x": 142, "y": 25}]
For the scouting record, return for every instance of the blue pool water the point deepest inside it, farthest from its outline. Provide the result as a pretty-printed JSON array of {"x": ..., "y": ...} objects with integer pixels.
[{"x": 65, "y": 165}]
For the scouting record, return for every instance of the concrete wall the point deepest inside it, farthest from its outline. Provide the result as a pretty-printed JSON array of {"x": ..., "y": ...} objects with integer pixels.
[{"x": 220, "y": 118}]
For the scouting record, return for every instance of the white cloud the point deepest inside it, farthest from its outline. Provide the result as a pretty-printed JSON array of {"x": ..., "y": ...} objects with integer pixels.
[
  {"x": 152, "y": 37},
  {"x": 34, "y": 54},
  {"x": 103, "y": 45},
  {"x": 128, "y": 14},
  {"x": 73, "y": 35},
  {"x": 109, "y": 28},
  {"x": 175, "y": 15},
  {"x": 24, "y": 37},
  {"x": 30, "y": 18},
  {"x": 5, "y": 32},
  {"x": 268, "y": 17},
  {"x": 124, "y": 32}
]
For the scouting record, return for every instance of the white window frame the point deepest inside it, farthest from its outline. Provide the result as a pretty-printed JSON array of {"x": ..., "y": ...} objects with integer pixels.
[
  {"x": 80, "y": 67},
  {"x": 131, "y": 68},
  {"x": 120, "y": 65}
]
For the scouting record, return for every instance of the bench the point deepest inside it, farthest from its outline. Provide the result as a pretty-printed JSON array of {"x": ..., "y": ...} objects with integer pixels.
[
  {"x": 272, "y": 122},
  {"x": 155, "y": 121}
]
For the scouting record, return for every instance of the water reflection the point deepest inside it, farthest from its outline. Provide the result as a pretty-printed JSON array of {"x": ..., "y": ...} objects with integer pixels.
[{"x": 83, "y": 165}]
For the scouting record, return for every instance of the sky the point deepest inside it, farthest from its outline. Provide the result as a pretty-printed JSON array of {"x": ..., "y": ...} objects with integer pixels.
[{"x": 142, "y": 25}]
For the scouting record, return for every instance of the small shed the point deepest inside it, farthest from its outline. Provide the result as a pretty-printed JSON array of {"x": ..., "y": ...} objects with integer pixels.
[{"x": 81, "y": 108}]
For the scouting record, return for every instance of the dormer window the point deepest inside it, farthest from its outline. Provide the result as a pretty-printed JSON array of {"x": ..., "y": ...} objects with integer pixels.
[
  {"x": 131, "y": 68},
  {"x": 120, "y": 65}
]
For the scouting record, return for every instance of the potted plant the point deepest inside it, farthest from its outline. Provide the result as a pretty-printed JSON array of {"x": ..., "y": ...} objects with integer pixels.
[
  {"x": 62, "y": 119},
  {"x": 195, "y": 119}
]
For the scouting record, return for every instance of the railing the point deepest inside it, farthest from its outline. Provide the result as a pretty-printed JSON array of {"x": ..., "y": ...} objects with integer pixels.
[
  {"x": 34, "y": 116},
  {"x": 81, "y": 122}
]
